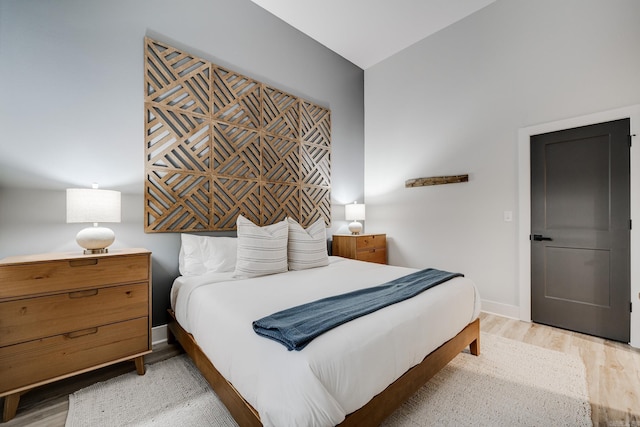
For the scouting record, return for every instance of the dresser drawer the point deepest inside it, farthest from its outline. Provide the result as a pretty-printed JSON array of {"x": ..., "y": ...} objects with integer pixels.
[
  {"x": 373, "y": 255},
  {"x": 80, "y": 273},
  {"x": 371, "y": 242},
  {"x": 42, "y": 360},
  {"x": 28, "y": 319}
]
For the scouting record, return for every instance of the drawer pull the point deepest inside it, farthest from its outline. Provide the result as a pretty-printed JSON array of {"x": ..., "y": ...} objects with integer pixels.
[
  {"x": 83, "y": 294},
  {"x": 83, "y": 262},
  {"x": 82, "y": 333}
]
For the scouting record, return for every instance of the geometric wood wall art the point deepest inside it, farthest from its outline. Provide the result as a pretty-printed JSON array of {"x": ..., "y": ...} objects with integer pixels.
[{"x": 219, "y": 144}]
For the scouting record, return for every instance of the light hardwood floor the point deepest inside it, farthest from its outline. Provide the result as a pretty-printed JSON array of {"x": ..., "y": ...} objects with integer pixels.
[
  {"x": 47, "y": 406},
  {"x": 613, "y": 375},
  {"x": 613, "y": 368}
]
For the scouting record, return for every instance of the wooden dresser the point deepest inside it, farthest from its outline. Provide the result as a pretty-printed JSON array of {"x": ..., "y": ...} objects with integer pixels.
[
  {"x": 363, "y": 247},
  {"x": 63, "y": 314}
]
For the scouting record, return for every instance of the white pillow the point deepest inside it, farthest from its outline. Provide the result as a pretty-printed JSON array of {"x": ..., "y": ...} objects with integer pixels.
[
  {"x": 307, "y": 248},
  {"x": 261, "y": 250},
  {"x": 207, "y": 254}
]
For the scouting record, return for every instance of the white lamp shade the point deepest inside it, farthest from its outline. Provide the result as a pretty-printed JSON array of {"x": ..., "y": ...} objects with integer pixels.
[
  {"x": 92, "y": 205},
  {"x": 354, "y": 212}
]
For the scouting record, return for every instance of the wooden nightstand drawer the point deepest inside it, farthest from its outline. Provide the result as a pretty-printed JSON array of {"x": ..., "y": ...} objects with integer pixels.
[
  {"x": 31, "y": 318},
  {"x": 371, "y": 241},
  {"x": 363, "y": 247},
  {"x": 373, "y": 255},
  {"x": 31, "y": 362},
  {"x": 61, "y": 275}
]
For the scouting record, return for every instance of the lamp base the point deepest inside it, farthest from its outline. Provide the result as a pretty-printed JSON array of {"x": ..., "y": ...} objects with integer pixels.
[
  {"x": 355, "y": 227},
  {"x": 95, "y": 251},
  {"x": 95, "y": 239}
]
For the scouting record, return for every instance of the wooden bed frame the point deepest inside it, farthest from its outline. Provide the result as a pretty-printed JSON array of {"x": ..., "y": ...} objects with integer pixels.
[{"x": 372, "y": 413}]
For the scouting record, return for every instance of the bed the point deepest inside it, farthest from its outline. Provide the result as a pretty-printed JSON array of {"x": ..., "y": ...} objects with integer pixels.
[{"x": 355, "y": 374}]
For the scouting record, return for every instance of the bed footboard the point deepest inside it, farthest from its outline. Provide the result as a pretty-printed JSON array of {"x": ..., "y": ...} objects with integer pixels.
[
  {"x": 373, "y": 413},
  {"x": 391, "y": 398},
  {"x": 240, "y": 409}
]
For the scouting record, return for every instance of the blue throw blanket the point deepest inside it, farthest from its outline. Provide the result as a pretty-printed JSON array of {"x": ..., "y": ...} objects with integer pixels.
[{"x": 297, "y": 326}]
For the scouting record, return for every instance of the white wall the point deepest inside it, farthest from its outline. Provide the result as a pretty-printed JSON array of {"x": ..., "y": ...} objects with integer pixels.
[
  {"x": 71, "y": 107},
  {"x": 453, "y": 103}
]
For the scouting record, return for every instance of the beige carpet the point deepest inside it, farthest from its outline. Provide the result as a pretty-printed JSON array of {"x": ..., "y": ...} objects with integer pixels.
[{"x": 510, "y": 384}]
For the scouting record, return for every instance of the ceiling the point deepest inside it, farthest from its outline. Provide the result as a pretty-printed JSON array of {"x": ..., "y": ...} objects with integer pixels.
[{"x": 368, "y": 31}]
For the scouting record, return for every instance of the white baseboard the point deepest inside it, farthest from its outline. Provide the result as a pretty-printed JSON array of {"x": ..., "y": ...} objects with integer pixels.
[
  {"x": 506, "y": 310},
  {"x": 158, "y": 334}
]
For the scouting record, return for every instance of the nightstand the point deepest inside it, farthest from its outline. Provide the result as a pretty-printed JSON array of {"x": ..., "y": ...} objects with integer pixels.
[
  {"x": 64, "y": 314},
  {"x": 363, "y": 247}
]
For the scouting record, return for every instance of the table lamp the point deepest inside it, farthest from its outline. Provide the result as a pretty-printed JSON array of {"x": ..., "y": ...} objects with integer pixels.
[
  {"x": 354, "y": 212},
  {"x": 93, "y": 205}
]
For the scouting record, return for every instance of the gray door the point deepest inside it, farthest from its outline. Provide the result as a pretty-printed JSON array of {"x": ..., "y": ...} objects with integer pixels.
[{"x": 580, "y": 229}]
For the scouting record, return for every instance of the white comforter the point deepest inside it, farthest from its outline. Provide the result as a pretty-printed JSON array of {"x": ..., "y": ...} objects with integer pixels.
[{"x": 339, "y": 371}]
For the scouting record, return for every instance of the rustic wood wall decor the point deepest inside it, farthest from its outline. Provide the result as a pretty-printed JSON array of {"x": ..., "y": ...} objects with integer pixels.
[
  {"x": 219, "y": 144},
  {"x": 435, "y": 180}
]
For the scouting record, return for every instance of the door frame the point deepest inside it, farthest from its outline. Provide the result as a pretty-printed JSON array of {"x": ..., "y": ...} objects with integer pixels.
[{"x": 524, "y": 205}]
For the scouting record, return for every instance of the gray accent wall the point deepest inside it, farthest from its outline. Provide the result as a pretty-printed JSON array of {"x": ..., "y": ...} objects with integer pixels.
[
  {"x": 71, "y": 108},
  {"x": 453, "y": 104}
]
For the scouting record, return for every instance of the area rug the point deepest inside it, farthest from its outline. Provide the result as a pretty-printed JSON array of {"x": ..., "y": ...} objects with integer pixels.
[
  {"x": 170, "y": 393},
  {"x": 510, "y": 383}
]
